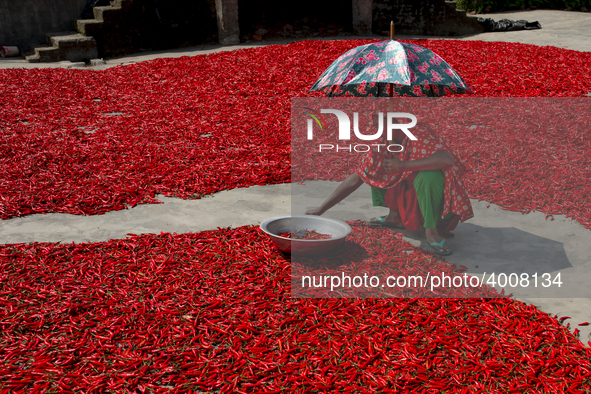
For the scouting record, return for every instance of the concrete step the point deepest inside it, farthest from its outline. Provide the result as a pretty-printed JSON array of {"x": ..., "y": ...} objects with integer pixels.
[
  {"x": 56, "y": 34},
  {"x": 30, "y": 51},
  {"x": 73, "y": 40},
  {"x": 101, "y": 12},
  {"x": 45, "y": 55},
  {"x": 73, "y": 47},
  {"x": 88, "y": 27}
]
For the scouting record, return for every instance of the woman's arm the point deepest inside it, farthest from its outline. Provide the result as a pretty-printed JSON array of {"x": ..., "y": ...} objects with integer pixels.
[
  {"x": 437, "y": 161},
  {"x": 347, "y": 187}
]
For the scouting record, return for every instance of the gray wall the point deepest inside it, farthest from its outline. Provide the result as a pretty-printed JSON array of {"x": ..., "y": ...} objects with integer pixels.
[{"x": 24, "y": 22}]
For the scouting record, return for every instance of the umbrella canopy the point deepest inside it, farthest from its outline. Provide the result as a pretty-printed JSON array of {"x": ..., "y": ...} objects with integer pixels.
[{"x": 390, "y": 68}]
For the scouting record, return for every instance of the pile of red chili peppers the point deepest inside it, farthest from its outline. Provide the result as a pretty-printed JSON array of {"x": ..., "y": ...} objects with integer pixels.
[
  {"x": 306, "y": 234},
  {"x": 86, "y": 142},
  {"x": 212, "y": 311}
]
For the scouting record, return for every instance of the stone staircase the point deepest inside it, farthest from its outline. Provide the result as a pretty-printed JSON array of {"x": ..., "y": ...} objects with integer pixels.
[
  {"x": 70, "y": 46},
  {"x": 82, "y": 45},
  {"x": 110, "y": 27},
  {"x": 110, "y": 14}
]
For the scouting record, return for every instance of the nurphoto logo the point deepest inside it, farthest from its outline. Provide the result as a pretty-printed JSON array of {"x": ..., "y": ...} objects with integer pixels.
[{"x": 345, "y": 130}]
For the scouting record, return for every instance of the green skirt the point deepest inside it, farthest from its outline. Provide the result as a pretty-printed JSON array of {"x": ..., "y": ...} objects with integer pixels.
[{"x": 429, "y": 186}]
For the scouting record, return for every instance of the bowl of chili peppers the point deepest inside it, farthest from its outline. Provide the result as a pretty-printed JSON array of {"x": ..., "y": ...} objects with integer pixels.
[{"x": 305, "y": 234}]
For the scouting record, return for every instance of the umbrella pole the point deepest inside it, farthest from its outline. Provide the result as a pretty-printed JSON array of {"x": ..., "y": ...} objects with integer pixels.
[
  {"x": 391, "y": 30},
  {"x": 391, "y": 92}
]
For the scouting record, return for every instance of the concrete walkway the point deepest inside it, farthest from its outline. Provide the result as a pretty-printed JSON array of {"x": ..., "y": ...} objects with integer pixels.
[{"x": 495, "y": 239}]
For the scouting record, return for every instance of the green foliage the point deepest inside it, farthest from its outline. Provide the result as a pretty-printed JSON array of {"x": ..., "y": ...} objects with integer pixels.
[{"x": 507, "y": 5}]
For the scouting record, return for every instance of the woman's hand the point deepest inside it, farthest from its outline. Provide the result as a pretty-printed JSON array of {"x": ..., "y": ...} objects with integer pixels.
[
  {"x": 393, "y": 165},
  {"x": 315, "y": 211}
]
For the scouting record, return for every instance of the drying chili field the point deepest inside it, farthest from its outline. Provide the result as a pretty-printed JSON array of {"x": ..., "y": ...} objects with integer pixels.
[
  {"x": 212, "y": 311},
  {"x": 86, "y": 142}
]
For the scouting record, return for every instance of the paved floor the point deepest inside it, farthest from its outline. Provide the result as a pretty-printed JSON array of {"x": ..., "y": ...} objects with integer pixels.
[{"x": 495, "y": 239}]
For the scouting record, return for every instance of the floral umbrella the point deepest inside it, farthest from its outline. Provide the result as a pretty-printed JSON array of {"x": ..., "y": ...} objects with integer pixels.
[{"x": 390, "y": 68}]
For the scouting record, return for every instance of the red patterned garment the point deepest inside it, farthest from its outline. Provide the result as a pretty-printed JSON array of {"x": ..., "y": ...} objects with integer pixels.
[{"x": 428, "y": 142}]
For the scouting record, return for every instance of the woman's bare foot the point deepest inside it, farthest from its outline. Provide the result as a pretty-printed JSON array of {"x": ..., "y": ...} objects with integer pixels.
[{"x": 434, "y": 237}]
